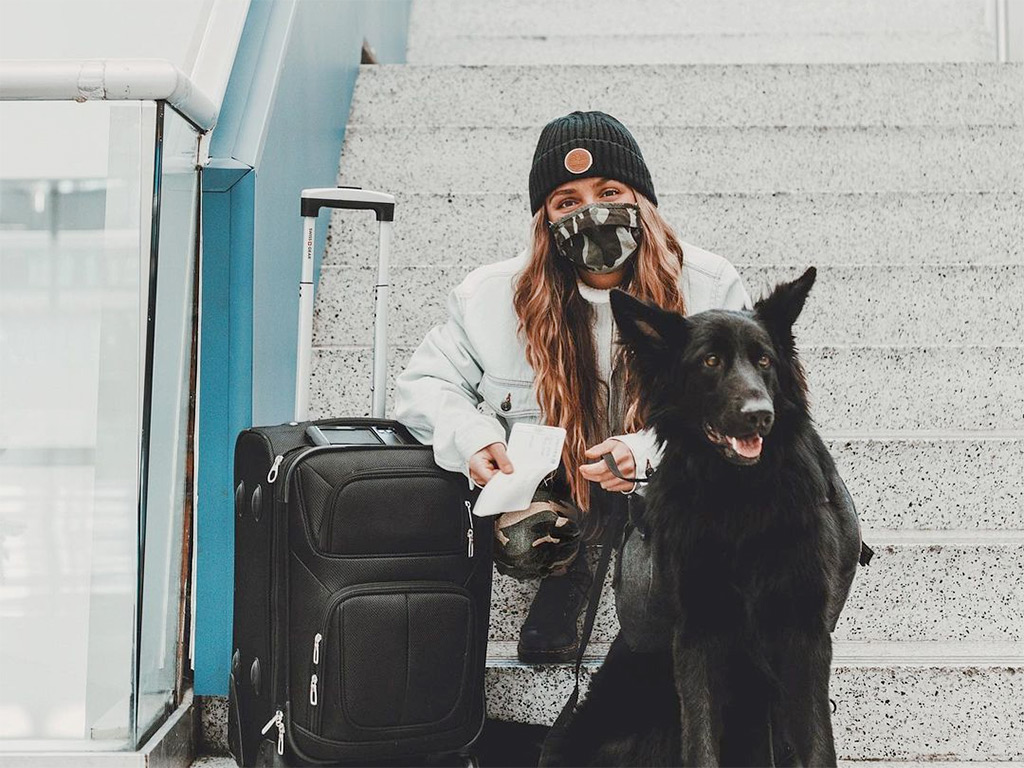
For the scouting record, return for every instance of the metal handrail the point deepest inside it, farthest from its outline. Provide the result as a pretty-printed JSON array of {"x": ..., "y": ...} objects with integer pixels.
[{"x": 106, "y": 79}]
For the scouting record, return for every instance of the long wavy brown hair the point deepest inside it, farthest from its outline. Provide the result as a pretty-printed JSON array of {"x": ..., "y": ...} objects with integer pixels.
[{"x": 555, "y": 324}]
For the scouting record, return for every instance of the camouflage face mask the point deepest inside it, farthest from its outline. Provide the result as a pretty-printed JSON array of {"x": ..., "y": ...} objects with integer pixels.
[{"x": 599, "y": 237}]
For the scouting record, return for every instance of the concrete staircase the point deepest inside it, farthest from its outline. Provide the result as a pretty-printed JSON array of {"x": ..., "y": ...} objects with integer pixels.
[{"x": 899, "y": 173}]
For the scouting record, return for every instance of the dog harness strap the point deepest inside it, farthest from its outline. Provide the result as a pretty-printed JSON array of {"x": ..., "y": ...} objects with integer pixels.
[
  {"x": 613, "y": 528},
  {"x": 614, "y": 469}
]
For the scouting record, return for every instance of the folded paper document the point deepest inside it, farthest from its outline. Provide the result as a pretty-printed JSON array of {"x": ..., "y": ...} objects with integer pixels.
[{"x": 534, "y": 451}]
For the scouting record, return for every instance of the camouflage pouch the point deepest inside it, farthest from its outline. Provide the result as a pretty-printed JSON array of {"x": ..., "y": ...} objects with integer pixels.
[{"x": 536, "y": 541}]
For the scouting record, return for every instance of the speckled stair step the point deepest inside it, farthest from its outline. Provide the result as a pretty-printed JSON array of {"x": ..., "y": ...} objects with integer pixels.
[
  {"x": 587, "y": 31},
  {"x": 935, "y": 586},
  {"x": 693, "y": 95},
  {"x": 932, "y": 482},
  {"x": 853, "y": 389},
  {"x": 861, "y": 228},
  {"x": 875, "y": 304},
  {"x": 895, "y": 701},
  {"x": 704, "y": 159},
  {"x": 222, "y": 761}
]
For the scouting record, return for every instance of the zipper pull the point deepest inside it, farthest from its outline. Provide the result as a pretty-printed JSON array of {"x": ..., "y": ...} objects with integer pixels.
[
  {"x": 469, "y": 531},
  {"x": 270, "y": 724},
  {"x": 280, "y": 732},
  {"x": 278, "y": 720},
  {"x": 316, "y": 660},
  {"x": 272, "y": 474}
]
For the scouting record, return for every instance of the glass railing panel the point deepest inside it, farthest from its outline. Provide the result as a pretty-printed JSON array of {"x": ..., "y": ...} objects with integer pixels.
[
  {"x": 76, "y": 184},
  {"x": 169, "y": 435}
]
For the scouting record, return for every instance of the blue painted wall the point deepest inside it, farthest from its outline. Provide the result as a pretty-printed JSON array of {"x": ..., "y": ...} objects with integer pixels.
[{"x": 284, "y": 118}]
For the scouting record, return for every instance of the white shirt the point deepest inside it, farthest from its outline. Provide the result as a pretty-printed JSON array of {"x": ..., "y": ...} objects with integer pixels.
[{"x": 604, "y": 327}]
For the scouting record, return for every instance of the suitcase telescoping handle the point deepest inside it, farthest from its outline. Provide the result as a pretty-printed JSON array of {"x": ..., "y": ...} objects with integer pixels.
[{"x": 352, "y": 198}]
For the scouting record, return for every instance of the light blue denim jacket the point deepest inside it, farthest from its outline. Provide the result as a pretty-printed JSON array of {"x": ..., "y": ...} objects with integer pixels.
[{"x": 468, "y": 382}]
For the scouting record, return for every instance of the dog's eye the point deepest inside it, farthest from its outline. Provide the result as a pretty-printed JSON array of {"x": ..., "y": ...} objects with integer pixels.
[
  {"x": 712, "y": 361},
  {"x": 764, "y": 361}
]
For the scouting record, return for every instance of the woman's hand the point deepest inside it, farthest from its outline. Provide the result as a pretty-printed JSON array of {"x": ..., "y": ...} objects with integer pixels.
[
  {"x": 485, "y": 463},
  {"x": 598, "y": 472}
]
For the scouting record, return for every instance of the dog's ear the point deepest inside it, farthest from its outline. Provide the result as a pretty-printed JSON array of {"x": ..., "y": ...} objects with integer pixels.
[
  {"x": 646, "y": 329},
  {"x": 780, "y": 309}
]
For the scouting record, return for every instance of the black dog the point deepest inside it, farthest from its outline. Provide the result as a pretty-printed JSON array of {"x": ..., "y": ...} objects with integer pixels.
[{"x": 754, "y": 539}]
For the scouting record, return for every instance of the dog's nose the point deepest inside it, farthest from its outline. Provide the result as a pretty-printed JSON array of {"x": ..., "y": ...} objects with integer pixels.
[{"x": 758, "y": 415}]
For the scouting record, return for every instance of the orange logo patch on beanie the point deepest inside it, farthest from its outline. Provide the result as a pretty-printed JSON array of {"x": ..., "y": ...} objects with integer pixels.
[{"x": 578, "y": 160}]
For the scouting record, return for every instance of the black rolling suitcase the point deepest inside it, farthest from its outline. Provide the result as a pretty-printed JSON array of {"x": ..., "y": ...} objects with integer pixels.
[{"x": 362, "y": 581}]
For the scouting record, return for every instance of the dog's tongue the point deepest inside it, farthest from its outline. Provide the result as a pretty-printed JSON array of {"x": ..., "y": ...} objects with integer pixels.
[{"x": 748, "y": 447}]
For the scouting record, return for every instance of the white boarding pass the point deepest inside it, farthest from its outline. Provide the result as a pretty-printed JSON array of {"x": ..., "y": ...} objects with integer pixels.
[{"x": 534, "y": 451}]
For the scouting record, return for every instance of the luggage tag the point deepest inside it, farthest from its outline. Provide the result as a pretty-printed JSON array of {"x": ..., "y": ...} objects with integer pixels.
[{"x": 535, "y": 451}]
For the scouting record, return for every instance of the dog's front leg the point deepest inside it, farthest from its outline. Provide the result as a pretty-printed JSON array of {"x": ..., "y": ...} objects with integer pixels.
[
  {"x": 822, "y": 748},
  {"x": 805, "y": 712},
  {"x": 696, "y": 667}
]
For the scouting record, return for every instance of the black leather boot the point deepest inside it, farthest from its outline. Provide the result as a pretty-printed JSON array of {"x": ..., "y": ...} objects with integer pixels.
[{"x": 549, "y": 634}]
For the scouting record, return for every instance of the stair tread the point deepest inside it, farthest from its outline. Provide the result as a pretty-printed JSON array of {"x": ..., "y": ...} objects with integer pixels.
[
  {"x": 845, "y": 382},
  {"x": 846, "y": 653},
  {"x": 701, "y": 94},
  {"x": 872, "y": 304},
  {"x": 225, "y": 761},
  {"x": 454, "y": 159}
]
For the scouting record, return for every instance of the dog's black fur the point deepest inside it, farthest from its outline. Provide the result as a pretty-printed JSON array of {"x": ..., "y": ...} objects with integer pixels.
[{"x": 757, "y": 554}]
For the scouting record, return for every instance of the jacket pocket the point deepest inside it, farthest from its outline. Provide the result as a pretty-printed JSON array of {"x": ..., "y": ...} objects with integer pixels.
[{"x": 511, "y": 399}]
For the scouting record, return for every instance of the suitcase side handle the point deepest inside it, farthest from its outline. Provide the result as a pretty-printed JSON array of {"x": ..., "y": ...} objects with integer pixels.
[{"x": 351, "y": 198}]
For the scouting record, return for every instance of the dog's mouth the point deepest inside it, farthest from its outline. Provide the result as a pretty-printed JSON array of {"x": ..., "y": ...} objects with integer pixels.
[{"x": 744, "y": 449}]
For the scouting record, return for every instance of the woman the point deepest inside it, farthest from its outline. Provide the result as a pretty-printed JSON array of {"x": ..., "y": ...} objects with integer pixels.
[{"x": 532, "y": 339}]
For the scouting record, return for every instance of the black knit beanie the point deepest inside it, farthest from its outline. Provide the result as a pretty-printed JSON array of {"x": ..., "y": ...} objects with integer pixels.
[{"x": 582, "y": 145}]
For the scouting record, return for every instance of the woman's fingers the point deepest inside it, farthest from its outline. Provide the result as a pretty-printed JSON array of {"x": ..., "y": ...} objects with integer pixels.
[
  {"x": 617, "y": 485},
  {"x": 485, "y": 463},
  {"x": 477, "y": 474},
  {"x": 596, "y": 451},
  {"x": 598, "y": 471},
  {"x": 481, "y": 467},
  {"x": 500, "y": 457}
]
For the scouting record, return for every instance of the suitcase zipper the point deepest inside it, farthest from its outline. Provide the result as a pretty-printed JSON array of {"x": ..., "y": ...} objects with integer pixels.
[
  {"x": 278, "y": 720},
  {"x": 469, "y": 531},
  {"x": 275, "y": 532},
  {"x": 272, "y": 474},
  {"x": 316, "y": 662},
  {"x": 278, "y": 546}
]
